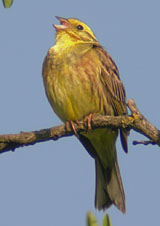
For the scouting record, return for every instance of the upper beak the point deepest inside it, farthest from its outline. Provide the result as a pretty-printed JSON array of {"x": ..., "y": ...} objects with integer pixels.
[{"x": 64, "y": 24}]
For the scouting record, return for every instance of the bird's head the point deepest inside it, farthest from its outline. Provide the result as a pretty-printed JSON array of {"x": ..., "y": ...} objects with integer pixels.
[{"x": 74, "y": 30}]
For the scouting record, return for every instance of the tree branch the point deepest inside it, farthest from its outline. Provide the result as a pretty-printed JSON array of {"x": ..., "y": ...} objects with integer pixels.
[{"x": 136, "y": 121}]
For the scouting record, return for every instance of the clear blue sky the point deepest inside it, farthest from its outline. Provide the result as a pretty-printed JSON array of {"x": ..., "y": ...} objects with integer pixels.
[{"x": 54, "y": 183}]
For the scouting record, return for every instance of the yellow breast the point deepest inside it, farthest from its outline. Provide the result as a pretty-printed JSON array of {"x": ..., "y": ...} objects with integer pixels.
[{"x": 73, "y": 83}]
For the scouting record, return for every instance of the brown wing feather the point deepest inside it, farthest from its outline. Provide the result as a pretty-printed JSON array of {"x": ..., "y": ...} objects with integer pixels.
[
  {"x": 112, "y": 83},
  {"x": 114, "y": 88}
]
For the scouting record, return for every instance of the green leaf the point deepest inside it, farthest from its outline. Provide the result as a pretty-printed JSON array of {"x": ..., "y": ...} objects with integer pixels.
[
  {"x": 7, "y": 3},
  {"x": 91, "y": 220},
  {"x": 106, "y": 221}
]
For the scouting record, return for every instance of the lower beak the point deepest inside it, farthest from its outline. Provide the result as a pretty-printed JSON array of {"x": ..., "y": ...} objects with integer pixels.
[{"x": 64, "y": 24}]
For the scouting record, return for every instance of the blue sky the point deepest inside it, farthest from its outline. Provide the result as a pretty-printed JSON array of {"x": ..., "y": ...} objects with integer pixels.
[{"x": 54, "y": 183}]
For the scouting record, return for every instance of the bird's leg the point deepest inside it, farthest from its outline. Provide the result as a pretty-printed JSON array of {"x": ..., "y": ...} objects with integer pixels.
[
  {"x": 71, "y": 125},
  {"x": 88, "y": 121}
]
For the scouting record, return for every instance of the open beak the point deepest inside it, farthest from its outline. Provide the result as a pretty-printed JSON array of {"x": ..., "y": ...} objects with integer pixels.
[{"x": 64, "y": 24}]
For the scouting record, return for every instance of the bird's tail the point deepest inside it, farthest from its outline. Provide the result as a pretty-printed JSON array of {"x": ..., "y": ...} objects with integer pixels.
[
  {"x": 109, "y": 188},
  {"x": 100, "y": 144}
]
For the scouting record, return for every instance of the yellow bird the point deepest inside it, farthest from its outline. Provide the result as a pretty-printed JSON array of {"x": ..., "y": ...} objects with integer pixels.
[{"x": 81, "y": 79}]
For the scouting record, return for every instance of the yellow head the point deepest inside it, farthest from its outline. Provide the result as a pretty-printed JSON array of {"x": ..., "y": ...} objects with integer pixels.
[{"x": 74, "y": 30}]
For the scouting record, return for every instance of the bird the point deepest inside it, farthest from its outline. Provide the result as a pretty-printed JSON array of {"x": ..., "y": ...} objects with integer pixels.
[{"x": 80, "y": 80}]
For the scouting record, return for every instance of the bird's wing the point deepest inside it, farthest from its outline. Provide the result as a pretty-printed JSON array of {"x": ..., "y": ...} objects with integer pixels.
[
  {"x": 112, "y": 83},
  {"x": 113, "y": 88}
]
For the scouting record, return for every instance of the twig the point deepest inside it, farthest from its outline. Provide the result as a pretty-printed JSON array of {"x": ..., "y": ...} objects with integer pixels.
[
  {"x": 145, "y": 142},
  {"x": 136, "y": 121}
]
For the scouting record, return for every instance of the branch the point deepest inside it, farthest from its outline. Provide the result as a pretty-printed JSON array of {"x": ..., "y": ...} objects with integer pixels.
[{"x": 136, "y": 121}]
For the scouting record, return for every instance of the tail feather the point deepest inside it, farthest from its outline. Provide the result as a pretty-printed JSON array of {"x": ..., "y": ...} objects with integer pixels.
[
  {"x": 100, "y": 144},
  {"x": 102, "y": 199},
  {"x": 109, "y": 188}
]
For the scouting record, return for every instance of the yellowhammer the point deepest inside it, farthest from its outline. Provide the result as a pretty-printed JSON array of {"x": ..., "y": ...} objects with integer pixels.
[{"x": 80, "y": 79}]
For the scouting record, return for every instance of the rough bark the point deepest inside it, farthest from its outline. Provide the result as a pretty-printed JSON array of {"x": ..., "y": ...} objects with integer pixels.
[{"x": 136, "y": 121}]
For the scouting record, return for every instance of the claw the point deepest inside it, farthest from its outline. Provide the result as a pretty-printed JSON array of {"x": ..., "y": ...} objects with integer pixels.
[
  {"x": 71, "y": 125},
  {"x": 88, "y": 120}
]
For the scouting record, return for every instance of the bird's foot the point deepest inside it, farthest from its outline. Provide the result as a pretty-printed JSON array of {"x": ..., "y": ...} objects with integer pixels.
[
  {"x": 71, "y": 125},
  {"x": 88, "y": 120}
]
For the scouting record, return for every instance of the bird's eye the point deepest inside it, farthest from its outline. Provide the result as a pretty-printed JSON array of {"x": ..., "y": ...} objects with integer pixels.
[{"x": 80, "y": 27}]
